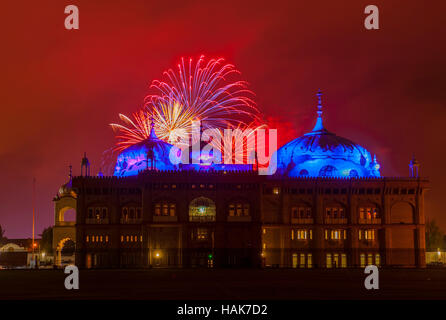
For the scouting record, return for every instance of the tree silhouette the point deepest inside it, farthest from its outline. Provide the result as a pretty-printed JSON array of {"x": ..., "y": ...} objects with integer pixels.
[{"x": 434, "y": 236}]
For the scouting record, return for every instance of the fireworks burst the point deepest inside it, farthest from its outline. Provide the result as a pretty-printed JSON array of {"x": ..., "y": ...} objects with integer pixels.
[
  {"x": 202, "y": 91},
  {"x": 133, "y": 131}
]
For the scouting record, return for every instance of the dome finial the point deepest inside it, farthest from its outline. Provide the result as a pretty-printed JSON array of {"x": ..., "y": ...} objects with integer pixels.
[
  {"x": 71, "y": 171},
  {"x": 152, "y": 134},
  {"x": 319, "y": 126}
]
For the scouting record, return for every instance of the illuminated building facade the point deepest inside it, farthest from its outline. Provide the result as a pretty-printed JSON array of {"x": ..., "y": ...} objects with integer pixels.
[{"x": 327, "y": 206}]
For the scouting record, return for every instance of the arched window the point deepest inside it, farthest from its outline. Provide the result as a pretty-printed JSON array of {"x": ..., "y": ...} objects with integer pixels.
[
  {"x": 328, "y": 171},
  {"x": 353, "y": 173},
  {"x": 165, "y": 208},
  {"x": 402, "y": 212},
  {"x": 369, "y": 213},
  {"x": 202, "y": 209},
  {"x": 303, "y": 172},
  {"x": 335, "y": 212},
  {"x": 238, "y": 209},
  {"x": 130, "y": 214},
  {"x": 301, "y": 212}
]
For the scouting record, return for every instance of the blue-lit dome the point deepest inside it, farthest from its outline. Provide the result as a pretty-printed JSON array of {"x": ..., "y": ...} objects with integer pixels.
[
  {"x": 321, "y": 153},
  {"x": 152, "y": 153},
  {"x": 155, "y": 154}
]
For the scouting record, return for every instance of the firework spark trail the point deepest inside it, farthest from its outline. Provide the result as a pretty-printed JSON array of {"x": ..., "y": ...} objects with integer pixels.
[
  {"x": 135, "y": 131},
  {"x": 206, "y": 91},
  {"x": 198, "y": 91}
]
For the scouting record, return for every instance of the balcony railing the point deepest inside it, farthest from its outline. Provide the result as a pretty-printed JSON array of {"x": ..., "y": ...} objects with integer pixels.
[
  {"x": 302, "y": 220},
  {"x": 97, "y": 221},
  {"x": 370, "y": 221},
  {"x": 165, "y": 218},
  {"x": 335, "y": 220},
  {"x": 130, "y": 221},
  {"x": 210, "y": 218},
  {"x": 239, "y": 218}
]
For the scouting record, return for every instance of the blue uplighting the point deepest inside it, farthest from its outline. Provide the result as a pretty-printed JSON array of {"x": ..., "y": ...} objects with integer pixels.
[{"x": 321, "y": 153}]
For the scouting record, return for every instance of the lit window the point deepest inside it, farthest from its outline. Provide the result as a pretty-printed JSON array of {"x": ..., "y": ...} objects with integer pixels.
[
  {"x": 336, "y": 234},
  {"x": 122, "y": 238},
  {"x": 302, "y": 260},
  {"x": 239, "y": 209},
  {"x": 202, "y": 234},
  {"x": 106, "y": 238},
  {"x": 362, "y": 259},
  {"x": 367, "y": 234},
  {"x": 336, "y": 260},
  {"x": 301, "y": 234},
  {"x": 172, "y": 209},
  {"x": 100, "y": 239},
  {"x": 368, "y": 213},
  {"x": 202, "y": 209},
  {"x": 377, "y": 259},
  {"x": 328, "y": 260},
  {"x": 309, "y": 260},
  {"x": 231, "y": 210},
  {"x": 87, "y": 238},
  {"x": 369, "y": 259}
]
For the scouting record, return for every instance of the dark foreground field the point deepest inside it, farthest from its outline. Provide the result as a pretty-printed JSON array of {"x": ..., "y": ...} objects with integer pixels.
[{"x": 223, "y": 284}]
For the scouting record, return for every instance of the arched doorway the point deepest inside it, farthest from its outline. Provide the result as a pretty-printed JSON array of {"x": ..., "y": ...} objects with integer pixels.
[
  {"x": 65, "y": 252},
  {"x": 64, "y": 228}
]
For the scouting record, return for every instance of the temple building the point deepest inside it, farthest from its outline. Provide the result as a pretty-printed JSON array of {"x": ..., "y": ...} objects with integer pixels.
[{"x": 326, "y": 206}]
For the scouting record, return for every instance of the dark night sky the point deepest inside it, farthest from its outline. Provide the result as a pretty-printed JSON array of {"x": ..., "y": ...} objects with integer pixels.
[{"x": 60, "y": 89}]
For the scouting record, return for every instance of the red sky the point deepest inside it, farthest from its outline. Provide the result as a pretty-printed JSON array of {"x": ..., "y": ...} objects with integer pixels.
[{"x": 60, "y": 89}]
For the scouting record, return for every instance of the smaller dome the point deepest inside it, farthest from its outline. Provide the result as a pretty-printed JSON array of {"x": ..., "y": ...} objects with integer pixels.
[
  {"x": 67, "y": 190},
  {"x": 152, "y": 153}
]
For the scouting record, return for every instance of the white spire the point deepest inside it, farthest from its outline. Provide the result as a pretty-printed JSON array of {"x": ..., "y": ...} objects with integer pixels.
[{"x": 319, "y": 126}]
